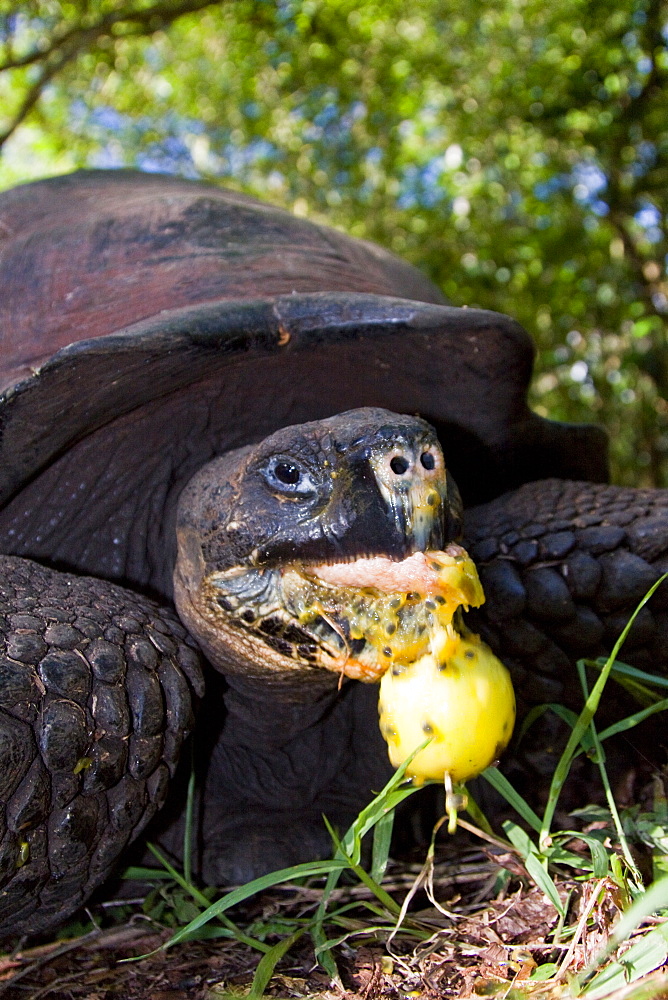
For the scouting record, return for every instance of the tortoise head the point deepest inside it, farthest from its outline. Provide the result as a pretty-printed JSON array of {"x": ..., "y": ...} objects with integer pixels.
[{"x": 256, "y": 527}]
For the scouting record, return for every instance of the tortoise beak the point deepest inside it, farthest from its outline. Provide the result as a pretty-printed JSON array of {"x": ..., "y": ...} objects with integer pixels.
[
  {"x": 421, "y": 508},
  {"x": 413, "y": 484}
]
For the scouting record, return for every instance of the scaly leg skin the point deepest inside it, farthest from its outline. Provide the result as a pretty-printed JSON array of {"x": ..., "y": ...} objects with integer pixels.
[
  {"x": 563, "y": 565},
  {"x": 96, "y": 687}
]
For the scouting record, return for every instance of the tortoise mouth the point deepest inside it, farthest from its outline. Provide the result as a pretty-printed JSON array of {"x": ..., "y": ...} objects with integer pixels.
[{"x": 355, "y": 617}]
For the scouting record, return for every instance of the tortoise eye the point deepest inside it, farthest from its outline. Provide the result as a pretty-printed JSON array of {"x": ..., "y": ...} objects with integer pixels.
[
  {"x": 288, "y": 476},
  {"x": 287, "y": 473}
]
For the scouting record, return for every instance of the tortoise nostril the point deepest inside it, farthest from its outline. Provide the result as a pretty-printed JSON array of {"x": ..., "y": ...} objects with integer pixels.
[
  {"x": 427, "y": 460},
  {"x": 399, "y": 465}
]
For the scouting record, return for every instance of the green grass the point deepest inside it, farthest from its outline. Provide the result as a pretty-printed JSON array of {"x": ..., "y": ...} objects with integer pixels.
[{"x": 606, "y": 864}]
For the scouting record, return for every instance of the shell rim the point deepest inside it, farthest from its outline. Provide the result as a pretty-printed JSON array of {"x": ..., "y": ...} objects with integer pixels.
[{"x": 228, "y": 329}]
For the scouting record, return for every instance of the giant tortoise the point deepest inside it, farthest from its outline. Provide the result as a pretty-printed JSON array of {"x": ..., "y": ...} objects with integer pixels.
[{"x": 166, "y": 339}]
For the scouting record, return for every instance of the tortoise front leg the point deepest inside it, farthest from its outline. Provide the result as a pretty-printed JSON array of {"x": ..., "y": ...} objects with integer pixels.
[
  {"x": 96, "y": 691},
  {"x": 563, "y": 565}
]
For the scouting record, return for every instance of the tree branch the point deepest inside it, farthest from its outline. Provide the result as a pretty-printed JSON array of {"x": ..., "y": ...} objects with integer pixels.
[{"x": 72, "y": 42}]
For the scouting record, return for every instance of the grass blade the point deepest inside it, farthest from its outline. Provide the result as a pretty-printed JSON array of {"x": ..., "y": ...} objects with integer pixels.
[
  {"x": 653, "y": 899},
  {"x": 538, "y": 711},
  {"x": 626, "y": 670},
  {"x": 350, "y": 849},
  {"x": 387, "y": 799},
  {"x": 382, "y": 838},
  {"x": 476, "y": 813},
  {"x": 610, "y": 799},
  {"x": 188, "y": 828},
  {"x": 268, "y": 963},
  {"x": 198, "y": 896},
  {"x": 644, "y": 955},
  {"x": 501, "y": 784},
  {"x": 366, "y": 879},
  {"x": 139, "y": 874},
  {"x": 633, "y": 720},
  {"x": 584, "y": 719},
  {"x": 533, "y": 864},
  {"x": 202, "y": 900},
  {"x": 544, "y": 882},
  {"x": 318, "y": 936},
  {"x": 600, "y": 866},
  {"x": 244, "y": 892},
  {"x": 519, "y": 839}
]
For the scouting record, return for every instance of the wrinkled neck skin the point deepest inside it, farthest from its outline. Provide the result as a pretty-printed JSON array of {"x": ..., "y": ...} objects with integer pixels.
[
  {"x": 274, "y": 714},
  {"x": 260, "y": 530}
]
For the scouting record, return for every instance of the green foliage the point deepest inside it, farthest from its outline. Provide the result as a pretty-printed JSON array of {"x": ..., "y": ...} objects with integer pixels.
[
  {"x": 550, "y": 851},
  {"x": 584, "y": 738},
  {"x": 182, "y": 904},
  {"x": 516, "y": 150},
  {"x": 633, "y": 948}
]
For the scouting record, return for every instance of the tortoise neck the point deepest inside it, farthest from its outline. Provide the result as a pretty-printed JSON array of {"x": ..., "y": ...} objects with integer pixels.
[{"x": 276, "y": 710}]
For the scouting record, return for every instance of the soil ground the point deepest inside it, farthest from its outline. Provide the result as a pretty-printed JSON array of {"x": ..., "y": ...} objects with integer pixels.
[{"x": 479, "y": 929}]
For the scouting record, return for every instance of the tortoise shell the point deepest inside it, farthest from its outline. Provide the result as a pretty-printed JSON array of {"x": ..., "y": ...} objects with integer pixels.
[{"x": 150, "y": 323}]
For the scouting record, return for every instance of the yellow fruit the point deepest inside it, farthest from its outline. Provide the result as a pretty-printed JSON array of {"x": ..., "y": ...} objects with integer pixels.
[
  {"x": 462, "y": 698},
  {"x": 401, "y": 620},
  {"x": 452, "y": 689}
]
